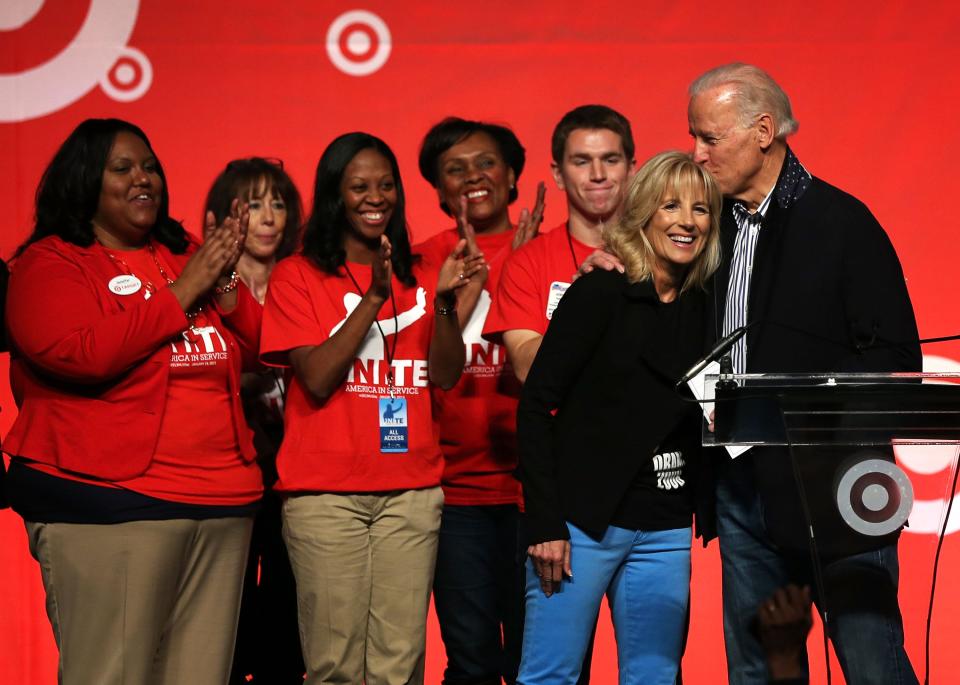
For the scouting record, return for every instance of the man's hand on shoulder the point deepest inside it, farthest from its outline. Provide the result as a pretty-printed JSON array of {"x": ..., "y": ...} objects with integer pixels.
[{"x": 600, "y": 259}]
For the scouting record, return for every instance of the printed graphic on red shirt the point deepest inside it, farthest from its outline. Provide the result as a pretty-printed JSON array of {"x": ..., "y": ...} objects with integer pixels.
[
  {"x": 198, "y": 348},
  {"x": 371, "y": 366},
  {"x": 333, "y": 443},
  {"x": 484, "y": 358}
]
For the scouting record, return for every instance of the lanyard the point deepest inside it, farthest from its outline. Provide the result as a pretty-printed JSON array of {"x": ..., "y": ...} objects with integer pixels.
[
  {"x": 125, "y": 268},
  {"x": 573, "y": 253},
  {"x": 389, "y": 354},
  {"x": 152, "y": 289}
]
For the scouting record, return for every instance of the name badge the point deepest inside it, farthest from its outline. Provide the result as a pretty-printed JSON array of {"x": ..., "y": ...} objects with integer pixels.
[
  {"x": 392, "y": 413},
  {"x": 557, "y": 289},
  {"x": 125, "y": 284}
]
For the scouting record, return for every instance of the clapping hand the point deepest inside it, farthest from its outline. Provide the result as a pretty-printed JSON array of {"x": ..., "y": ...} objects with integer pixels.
[
  {"x": 459, "y": 270},
  {"x": 471, "y": 249},
  {"x": 528, "y": 225},
  {"x": 234, "y": 227},
  {"x": 382, "y": 271},
  {"x": 215, "y": 259}
]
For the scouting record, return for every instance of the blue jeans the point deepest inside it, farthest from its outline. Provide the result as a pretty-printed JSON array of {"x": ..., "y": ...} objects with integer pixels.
[
  {"x": 477, "y": 591},
  {"x": 646, "y": 577},
  {"x": 861, "y": 592}
]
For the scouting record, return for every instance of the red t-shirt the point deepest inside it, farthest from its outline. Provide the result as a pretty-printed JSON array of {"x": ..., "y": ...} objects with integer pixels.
[
  {"x": 334, "y": 446},
  {"x": 532, "y": 282},
  {"x": 197, "y": 458},
  {"x": 477, "y": 419}
]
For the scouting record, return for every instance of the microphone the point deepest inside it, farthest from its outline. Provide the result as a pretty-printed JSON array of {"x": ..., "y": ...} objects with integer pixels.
[
  {"x": 726, "y": 369},
  {"x": 718, "y": 350}
]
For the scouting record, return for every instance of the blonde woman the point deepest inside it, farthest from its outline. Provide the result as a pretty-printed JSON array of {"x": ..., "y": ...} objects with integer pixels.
[{"x": 608, "y": 447}]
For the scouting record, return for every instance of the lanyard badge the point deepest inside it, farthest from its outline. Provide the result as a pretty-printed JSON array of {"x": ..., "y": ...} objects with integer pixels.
[
  {"x": 391, "y": 410},
  {"x": 392, "y": 413}
]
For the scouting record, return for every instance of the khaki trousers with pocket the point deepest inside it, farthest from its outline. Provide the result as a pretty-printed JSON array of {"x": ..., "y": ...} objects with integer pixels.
[
  {"x": 144, "y": 602},
  {"x": 364, "y": 568}
]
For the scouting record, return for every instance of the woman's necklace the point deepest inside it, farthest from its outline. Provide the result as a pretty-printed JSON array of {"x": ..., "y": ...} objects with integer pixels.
[{"x": 195, "y": 316}]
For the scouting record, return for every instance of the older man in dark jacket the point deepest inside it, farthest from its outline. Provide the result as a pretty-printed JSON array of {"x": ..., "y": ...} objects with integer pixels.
[{"x": 813, "y": 272}]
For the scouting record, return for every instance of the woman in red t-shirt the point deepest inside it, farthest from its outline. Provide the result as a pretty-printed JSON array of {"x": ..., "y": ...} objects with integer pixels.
[
  {"x": 131, "y": 463},
  {"x": 360, "y": 465},
  {"x": 478, "y": 586},
  {"x": 268, "y": 640}
]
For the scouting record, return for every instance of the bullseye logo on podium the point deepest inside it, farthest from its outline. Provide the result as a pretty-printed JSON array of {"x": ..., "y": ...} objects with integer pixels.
[{"x": 98, "y": 55}]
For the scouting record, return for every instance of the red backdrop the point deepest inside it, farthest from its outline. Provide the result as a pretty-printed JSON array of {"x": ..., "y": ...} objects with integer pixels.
[{"x": 874, "y": 86}]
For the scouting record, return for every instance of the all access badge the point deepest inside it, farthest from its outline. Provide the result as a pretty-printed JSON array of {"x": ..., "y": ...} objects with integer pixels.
[
  {"x": 393, "y": 424},
  {"x": 125, "y": 284}
]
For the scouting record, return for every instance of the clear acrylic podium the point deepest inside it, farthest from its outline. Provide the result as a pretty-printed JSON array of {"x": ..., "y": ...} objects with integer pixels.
[{"x": 823, "y": 448}]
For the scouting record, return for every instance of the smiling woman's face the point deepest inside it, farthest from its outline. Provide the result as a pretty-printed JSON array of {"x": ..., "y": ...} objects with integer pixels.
[
  {"x": 474, "y": 169},
  {"x": 130, "y": 194},
  {"x": 678, "y": 230},
  {"x": 369, "y": 192}
]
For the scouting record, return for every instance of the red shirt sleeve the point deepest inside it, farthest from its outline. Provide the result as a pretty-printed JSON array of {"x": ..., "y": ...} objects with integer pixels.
[
  {"x": 293, "y": 311},
  {"x": 57, "y": 321},
  {"x": 244, "y": 321},
  {"x": 516, "y": 303}
]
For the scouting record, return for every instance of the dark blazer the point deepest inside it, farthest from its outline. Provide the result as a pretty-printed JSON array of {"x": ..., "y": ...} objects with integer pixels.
[
  {"x": 827, "y": 290},
  {"x": 827, "y": 294},
  {"x": 608, "y": 372}
]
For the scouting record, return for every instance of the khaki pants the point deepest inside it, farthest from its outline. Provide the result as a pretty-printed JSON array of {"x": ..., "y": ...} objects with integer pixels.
[
  {"x": 364, "y": 568},
  {"x": 144, "y": 602}
]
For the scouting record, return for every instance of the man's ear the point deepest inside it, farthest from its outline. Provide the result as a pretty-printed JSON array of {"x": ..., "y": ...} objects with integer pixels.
[
  {"x": 557, "y": 176},
  {"x": 766, "y": 130}
]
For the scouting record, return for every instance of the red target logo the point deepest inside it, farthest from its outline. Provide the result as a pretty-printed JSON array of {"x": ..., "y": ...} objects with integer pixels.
[{"x": 358, "y": 42}]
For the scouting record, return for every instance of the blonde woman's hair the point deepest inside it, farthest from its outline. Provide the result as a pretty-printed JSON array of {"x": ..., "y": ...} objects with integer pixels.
[{"x": 665, "y": 174}]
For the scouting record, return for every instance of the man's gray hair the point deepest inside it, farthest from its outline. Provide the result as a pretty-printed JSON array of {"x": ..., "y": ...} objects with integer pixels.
[{"x": 756, "y": 93}]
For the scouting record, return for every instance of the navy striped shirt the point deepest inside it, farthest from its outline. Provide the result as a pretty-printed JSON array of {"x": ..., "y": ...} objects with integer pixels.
[{"x": 793, "y": 181}]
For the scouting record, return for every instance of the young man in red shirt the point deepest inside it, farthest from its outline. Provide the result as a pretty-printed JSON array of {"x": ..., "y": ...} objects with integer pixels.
[{"x": 593, "y": 160}]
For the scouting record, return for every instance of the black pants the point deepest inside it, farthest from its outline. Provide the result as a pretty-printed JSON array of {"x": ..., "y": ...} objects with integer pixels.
[{"x": 268, "y": 637}]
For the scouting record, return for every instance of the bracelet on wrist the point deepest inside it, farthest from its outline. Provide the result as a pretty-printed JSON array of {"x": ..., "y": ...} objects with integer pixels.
[
  {"x": 229, "y": 287},
  {"x": 442, "y": 308}
]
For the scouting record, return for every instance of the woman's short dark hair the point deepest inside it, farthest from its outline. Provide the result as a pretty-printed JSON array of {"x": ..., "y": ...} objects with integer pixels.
[
  {"x": 327, "y": 223},
  {"x": 69, "y": 190},
  {"x": 453, "y": 130},
  {"x": 242, "y": 178}
]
